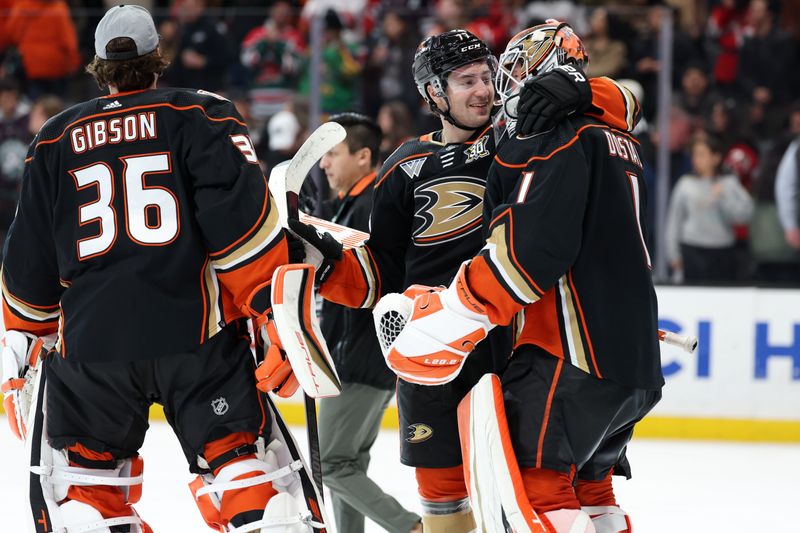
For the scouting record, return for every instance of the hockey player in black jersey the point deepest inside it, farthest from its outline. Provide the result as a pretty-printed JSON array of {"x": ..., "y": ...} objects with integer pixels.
[
  {"x": 566, "y": 254},
  {"x": 144, "y": 238},
  {"x": 426, "y": 219}
]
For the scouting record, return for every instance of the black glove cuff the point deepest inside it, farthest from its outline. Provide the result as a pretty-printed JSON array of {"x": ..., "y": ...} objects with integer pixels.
[
  {"x": 568, "y": 92},
  {"x": 576, "y": 84}
]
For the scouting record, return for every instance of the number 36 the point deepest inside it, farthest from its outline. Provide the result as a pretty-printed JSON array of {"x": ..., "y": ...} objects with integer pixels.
[{"x": 140, "y": 200}]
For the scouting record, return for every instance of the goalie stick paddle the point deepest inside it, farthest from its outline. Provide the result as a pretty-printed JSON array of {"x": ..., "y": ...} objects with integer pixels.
[{"x": 349, "y": 237}]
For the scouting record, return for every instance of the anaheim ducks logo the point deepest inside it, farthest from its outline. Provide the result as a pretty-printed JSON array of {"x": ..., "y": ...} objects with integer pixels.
[
  {"x": 419, "y": 433},
  {"x": 448, "y": 208}
]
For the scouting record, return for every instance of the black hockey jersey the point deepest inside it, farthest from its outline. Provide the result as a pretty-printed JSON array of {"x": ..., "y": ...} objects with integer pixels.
[
  {"x": 144, "y": 226},
  {"x": 426, "y": 219},
  {"x": 427, "y": 208},
  {"x": 567, "y": 246}
]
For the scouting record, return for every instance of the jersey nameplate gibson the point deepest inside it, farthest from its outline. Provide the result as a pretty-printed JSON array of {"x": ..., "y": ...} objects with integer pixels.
[{"x": 134, "y": 127}]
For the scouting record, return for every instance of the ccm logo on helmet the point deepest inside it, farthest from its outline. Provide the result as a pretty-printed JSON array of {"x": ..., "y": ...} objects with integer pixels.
[{"x": 470, "y": 47}]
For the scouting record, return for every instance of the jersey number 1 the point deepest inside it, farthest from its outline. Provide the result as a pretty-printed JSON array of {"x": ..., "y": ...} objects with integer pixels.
[
  {"x": 633, "y": 179},
  {"x": 151, "y": 212}
]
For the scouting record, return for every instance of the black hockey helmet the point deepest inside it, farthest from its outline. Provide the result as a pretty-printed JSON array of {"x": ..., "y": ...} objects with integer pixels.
[{"x": 439, "y": 55}]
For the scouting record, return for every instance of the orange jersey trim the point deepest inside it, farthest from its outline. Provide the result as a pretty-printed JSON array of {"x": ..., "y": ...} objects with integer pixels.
[
  {"x": 541, "y": 326},
  {"x": 608, "y": 98},
  {"x": 500, "y": 306},
  {"x": 40, "y": 329},
  {"x": 546, "y": 417},
  {"x": 124, "y": 93},
  {"x": 346, "y": 284},
  {"x": 241, "y": 280}
]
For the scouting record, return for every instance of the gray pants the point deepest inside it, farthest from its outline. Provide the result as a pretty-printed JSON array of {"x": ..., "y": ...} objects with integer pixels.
[{"x": 348, "y": 427}]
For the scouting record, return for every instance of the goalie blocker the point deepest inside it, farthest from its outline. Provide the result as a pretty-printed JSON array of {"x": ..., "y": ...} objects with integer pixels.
[{"x": 296, "y": 350}]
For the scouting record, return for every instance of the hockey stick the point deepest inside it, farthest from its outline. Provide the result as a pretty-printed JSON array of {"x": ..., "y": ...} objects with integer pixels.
[
  {"x": 686, "y": 342},
  {"x": 285, "y": 182},
  {"x": 286, "y": 179}
]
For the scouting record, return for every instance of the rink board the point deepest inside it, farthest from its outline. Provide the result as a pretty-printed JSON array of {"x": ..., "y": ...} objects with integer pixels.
[{"x": 742, "y": 383}]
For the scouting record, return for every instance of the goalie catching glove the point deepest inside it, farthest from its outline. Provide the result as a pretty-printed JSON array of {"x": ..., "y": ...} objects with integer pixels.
[
  {"x": 22, "y": 353},
  {"x": 427, "y": 333}
]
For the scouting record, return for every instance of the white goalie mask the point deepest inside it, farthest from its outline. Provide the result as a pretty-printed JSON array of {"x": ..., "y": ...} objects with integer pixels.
[{"x": 532, "y": 52}]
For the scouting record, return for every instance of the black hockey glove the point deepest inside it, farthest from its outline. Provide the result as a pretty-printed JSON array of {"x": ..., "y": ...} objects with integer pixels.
[
  {"x": 297, "y": 251},
  {"x": 546, "y": 100},
  {"x": 321, "y": 249}
]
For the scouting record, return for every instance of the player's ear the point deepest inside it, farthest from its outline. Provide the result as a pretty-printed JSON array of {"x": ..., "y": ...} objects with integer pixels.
[{"x": 440, "y": 102}]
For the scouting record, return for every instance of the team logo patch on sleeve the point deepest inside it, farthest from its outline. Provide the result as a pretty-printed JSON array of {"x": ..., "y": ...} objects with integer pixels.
[
  {"x": 477, "y": 150},
  {"x": 413, "y": 167},
  {"x": 448, "y": 208},
  {"x": 419, "y": 433}
]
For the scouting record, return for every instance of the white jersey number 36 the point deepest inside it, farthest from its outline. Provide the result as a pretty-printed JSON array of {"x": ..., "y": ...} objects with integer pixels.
[{"x": 151, "y": 212}]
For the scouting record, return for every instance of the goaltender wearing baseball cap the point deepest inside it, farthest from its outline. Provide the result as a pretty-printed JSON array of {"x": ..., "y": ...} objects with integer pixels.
[{"x": 127, "y": 52}]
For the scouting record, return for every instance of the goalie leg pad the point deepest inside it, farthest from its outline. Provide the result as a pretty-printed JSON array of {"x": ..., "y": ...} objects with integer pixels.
[
  {"x": 285, "y": 505},
  {"x": 294, "y": 310},
  {"x": 91, "y": 499},
  {"x": 568, "y": 521},
  {"x": 596, "y": 497},
  {"x": 609, "y": 519},
  {"x": 493, "y": 477},
  {"x": 54, "y": 478}
]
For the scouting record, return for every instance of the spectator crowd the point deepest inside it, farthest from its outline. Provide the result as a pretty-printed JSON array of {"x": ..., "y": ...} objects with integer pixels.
[{"x": 734, "y": 143}]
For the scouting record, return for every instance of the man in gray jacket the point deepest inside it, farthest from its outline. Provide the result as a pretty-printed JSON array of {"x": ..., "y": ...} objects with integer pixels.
[{"x": 350, "y": 422}]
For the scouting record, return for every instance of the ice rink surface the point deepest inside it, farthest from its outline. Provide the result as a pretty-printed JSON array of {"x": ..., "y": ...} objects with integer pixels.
[{"x": 678, "y": 486}]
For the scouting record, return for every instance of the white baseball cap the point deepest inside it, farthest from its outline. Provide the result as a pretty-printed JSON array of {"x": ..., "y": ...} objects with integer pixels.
[{"x": 133, "y": 22}]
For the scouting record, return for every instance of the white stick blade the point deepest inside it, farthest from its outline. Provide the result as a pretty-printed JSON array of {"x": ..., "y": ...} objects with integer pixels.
[{"x": 318, "y": 143}]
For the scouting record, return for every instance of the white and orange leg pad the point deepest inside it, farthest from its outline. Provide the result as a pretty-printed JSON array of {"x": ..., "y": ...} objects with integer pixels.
[
  {"x": 292, "y": 510},
  {"x": 295, "y": 318},
  {"x": 52, "y": 476},
  {"x": 491, "y": 472},
  {"x": 56, "y": 477},
  {"x": 609, "y": 519}
]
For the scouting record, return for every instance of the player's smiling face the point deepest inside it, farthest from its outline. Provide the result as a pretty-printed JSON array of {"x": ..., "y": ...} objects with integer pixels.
[{"x": 470, "y": 94}]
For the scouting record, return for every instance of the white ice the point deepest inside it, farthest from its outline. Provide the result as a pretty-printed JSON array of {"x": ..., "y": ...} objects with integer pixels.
[{"x": 678, "y": 486}]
